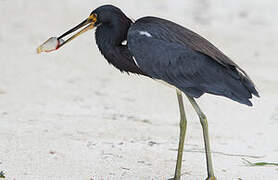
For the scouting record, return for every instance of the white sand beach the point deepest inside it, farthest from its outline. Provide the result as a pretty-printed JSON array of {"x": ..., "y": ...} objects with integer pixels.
[{"x": 68, "y": 115}]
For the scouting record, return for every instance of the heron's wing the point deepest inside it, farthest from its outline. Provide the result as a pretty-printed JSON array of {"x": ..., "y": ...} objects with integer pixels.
[
  {"x": 172, "y": 32},
  {"x": 177, "y": 64}
]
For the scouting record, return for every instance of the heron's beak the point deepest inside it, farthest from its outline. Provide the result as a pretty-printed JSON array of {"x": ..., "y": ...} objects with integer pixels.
[{"x": 90, "y": 22}]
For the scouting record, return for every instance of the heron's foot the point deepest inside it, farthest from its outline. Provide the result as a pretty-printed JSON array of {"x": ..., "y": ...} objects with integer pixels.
[
  {"x": 208, "y": 178},
  {"x": 174, "y": 178},
  {"x": 211, "y": 178}
]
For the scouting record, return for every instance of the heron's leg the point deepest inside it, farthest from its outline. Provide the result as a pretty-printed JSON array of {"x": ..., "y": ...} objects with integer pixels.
[
  {"x": 203, "y": 120},
  {"x": 183, "y": 124}
]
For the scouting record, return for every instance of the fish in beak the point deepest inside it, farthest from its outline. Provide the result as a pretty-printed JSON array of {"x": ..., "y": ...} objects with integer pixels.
[{"x": 55, "y": 43}]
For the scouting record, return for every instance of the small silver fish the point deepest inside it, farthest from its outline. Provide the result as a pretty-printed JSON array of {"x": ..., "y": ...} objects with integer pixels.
[{"x": 51, "y": 44}]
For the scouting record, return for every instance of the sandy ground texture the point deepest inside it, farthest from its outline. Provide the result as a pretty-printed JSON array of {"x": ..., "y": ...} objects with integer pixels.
[{"x": 69, "y": 115}]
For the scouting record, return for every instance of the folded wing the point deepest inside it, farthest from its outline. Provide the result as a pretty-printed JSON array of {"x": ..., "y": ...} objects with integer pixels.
[{"x": 182, "y": 58}]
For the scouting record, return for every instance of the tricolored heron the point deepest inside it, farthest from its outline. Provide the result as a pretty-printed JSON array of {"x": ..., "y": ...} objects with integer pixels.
[{"x": 165, "y": 51}]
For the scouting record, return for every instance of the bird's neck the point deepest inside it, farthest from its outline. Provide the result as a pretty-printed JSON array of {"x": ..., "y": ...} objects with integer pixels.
[{"x": 109, "y": 41}]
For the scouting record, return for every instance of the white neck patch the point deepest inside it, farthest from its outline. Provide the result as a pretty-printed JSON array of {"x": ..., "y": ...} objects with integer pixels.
[{"x": 124, "y": 42}]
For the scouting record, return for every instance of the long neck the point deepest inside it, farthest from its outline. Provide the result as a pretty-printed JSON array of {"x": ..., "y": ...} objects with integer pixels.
[{"x": 109, "y": 39}]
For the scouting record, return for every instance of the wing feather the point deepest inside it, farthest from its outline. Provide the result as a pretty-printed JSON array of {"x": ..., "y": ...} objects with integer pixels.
[
  {"x": 172, "y": 32},
  {"x": 166, "y": 55}
]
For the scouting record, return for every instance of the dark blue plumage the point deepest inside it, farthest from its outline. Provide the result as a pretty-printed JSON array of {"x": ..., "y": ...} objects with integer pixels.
[
  {"x": 163, "y": 53},
  {"x": 167, "y": 51}
]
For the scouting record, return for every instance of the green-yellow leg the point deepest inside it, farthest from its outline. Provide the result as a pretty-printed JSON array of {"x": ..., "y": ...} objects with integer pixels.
[
  {"x": 204, "y": 123},
  {"x": 183, "y": 124}
]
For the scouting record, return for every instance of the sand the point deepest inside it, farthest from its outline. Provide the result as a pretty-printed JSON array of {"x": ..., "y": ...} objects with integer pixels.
[{"x": 68, "y": 115}]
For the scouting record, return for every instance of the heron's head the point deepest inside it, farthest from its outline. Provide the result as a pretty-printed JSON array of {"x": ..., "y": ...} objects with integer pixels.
[{"x": 108, "y": 16}]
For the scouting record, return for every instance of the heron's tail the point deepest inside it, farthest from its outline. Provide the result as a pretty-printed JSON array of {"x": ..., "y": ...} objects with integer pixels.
[{"x": 241, "y": 88}]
